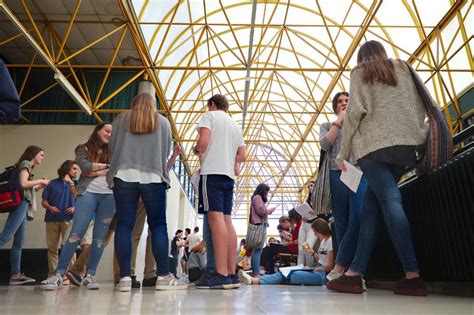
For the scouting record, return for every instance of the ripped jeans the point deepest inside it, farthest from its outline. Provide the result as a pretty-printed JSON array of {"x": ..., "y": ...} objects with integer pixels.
[{"x": 88, "y": 204}]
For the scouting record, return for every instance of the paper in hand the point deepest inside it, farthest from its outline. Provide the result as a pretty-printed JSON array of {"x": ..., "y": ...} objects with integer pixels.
[
  {"x": 351, "y": 177},
  {"x": 303, "y": 210}
]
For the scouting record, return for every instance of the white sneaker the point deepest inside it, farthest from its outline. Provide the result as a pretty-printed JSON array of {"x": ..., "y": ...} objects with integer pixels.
[
  {"x": 52, "y": 283},
  {"x": 125, "y": 285},
  {"x": 170, "y": 282},
  {"x": 20, "y": 279},
  {"x": 333, "y": 275},
  {"x": 245, "y": 277},
  {"x": 364, "y": 285},
  {"x": 90, "y": 283}
]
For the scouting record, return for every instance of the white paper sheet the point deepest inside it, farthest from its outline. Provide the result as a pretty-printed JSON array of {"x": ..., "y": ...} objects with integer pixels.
[
  {"x": 286, "y": 270},
  {"x": 351, "y": 177},
  {"x": 304, "y": 209}
]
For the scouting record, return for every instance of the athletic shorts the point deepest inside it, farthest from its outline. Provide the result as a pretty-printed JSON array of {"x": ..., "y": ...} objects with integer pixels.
[{"x": 216, "y": 193}]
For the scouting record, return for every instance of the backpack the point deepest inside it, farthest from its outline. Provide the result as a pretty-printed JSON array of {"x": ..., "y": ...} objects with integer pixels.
[{"x": 10, "y": 189}]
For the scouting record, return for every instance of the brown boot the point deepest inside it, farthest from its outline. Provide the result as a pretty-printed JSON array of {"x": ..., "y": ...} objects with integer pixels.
[
  {"x": 415, "y": 286},
  {"x": 347, "y": 284}
]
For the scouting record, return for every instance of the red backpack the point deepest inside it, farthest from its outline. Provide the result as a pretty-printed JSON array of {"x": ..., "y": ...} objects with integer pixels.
[{"x": 10, "y": 189}]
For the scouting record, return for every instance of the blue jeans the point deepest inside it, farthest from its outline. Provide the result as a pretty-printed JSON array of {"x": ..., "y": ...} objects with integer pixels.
[
  {"x": 297, "y": 278},
  {"x": 154, "y": 198},
  {"x": 255, "y": 261},
  {"x": 211, "y": 261},
  {"x": 15, "y": 227},
  {"x": 347, "y": 211},
  {"x": 88, "y": 204},
  {"x": 383, "y": 201},
  {"x": 173, "y": 263}
]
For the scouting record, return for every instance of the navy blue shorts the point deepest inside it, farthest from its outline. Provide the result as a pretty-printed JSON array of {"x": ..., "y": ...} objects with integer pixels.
[{"x": 216, "y": 193}]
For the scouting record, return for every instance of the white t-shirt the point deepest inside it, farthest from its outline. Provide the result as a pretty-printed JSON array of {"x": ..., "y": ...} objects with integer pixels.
[
  {"x": 99, "y": 186},
  {"x": 131, "y": 175},
  {"x": 324, "y": 248},
  {"x": 226, "y": 138},
  {"x": 193, "y": 239}
]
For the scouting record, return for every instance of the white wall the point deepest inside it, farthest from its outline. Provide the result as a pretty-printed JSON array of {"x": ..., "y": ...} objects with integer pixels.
[{"x": 58, "y": 142}]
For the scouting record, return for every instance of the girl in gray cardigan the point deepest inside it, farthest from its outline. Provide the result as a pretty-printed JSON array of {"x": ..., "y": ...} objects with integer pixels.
[
  {"x": 385, "y": 123},
  {"x": 140, "y": 146}
]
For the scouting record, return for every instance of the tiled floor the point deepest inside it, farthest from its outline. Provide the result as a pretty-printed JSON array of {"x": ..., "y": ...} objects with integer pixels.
[{"x": 288, "y": 300}]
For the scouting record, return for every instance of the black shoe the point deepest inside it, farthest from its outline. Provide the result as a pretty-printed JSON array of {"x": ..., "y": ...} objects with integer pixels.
[
  {"x": 415, "y": 287},
  {"x": 74, "y": 279},
  {"x": 135, "y": 283},
  {"x": 150, "y": 282},
  {"x": 235, "y": 281}
]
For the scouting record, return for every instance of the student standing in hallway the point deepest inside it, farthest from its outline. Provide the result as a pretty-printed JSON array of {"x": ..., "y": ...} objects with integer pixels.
[
  {"x": 220, "y": 146},
  {"x": 140, "y": 146}
]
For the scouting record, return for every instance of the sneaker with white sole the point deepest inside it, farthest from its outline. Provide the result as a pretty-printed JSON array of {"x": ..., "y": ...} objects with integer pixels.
[
  {"x": 90, "y": 283},
  {"x": 170, "y": 282},
  {"x": 20, "y": 279},
  {"x": 245, "y": 277},
  {"x": 124, "y": 285},
  {"x": 52, "y": 283},
  {"x": 333, "y": 275}
]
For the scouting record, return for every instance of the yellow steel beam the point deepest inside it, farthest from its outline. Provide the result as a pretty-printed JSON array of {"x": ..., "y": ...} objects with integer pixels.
[
  {"x": 109, "y": 69},
  {"x": 350, "y": 51},
  {"x": 101, "y": 38},
  {"x": 68, "y": 30},
  {"x": 119, "y": 89}
]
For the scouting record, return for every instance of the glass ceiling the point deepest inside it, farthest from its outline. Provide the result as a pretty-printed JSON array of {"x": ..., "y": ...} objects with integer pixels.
[{"x": 301, "y": 54}]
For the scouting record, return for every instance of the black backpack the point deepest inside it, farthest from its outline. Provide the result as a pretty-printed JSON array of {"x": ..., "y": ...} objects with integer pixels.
[{"x": 10, "y": 189}]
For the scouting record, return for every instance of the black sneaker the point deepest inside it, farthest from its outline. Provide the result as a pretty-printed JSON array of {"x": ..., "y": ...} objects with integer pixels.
[
  {"x": 135, "y": 283},
  {"x": 202, "y": 283},
  {"x": 150, "y": 282},
  {"x": 219, "y": 282},
  {"x": 74, "y": 279},
  {"x": 235, "y": 281}
]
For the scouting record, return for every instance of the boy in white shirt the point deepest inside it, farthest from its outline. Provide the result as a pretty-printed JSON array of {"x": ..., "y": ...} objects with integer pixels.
[{"x": 220, "y": 146}]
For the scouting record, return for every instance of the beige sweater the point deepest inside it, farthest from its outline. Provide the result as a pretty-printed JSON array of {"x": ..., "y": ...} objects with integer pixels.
[{"x": 380, "y": 116}]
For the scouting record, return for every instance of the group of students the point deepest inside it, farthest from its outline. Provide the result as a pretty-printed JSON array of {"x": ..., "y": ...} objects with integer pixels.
[{"x": 380, "y": 126}]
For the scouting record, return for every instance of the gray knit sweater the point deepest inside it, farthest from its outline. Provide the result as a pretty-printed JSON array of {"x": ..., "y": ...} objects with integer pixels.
[
  {"x": 146, "y": 152},
  {"x": 380, "y": 116}
]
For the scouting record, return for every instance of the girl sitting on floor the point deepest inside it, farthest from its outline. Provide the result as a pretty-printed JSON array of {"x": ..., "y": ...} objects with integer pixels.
[{"x": 317, "y": 276}]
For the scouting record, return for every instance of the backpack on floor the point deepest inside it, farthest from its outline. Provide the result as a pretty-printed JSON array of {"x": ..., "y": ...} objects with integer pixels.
[{"x": 10, "y": 189}]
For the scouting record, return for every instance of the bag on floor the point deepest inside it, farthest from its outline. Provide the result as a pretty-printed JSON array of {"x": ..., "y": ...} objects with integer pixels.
[
  {"x": 10, "y": 109},
  {"x": 10, "y": 190},
  {"x": 439, "y": 147}
]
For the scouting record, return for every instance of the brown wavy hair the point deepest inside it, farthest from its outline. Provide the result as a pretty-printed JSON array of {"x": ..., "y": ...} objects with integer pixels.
[
  {"x": 64, "y": 169},
  {"x": 29, "y": 154},
  {"x": 373, "y": 61},
  {"x": 97, "y": 152}
]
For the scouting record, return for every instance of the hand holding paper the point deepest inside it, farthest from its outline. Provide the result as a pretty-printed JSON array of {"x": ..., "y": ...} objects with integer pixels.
[{"x": 351, "y": 177}]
